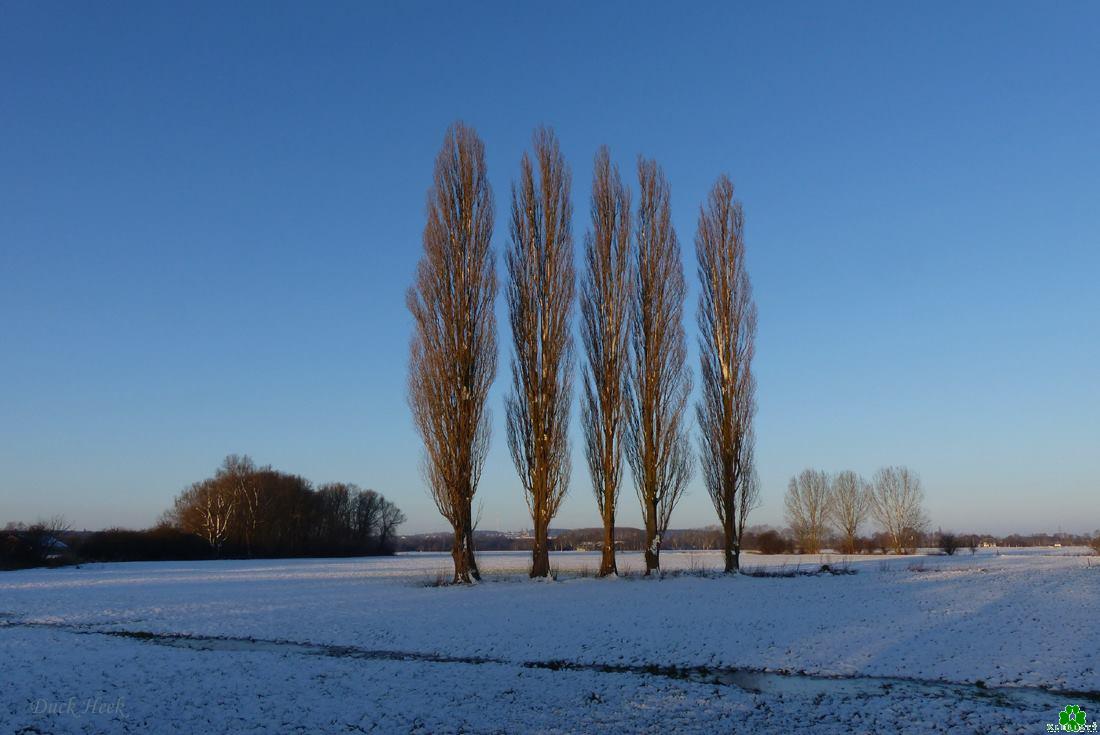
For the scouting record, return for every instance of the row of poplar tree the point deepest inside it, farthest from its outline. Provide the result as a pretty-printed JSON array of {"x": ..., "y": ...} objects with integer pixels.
[{"x": 635, "y": 380}]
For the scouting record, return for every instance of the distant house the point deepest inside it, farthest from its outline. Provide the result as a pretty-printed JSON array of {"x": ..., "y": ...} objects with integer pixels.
[
  {"x": 52, "y": 547},
  {"x": 595, "y": 546},
  {"x": 22, "y": 548}
]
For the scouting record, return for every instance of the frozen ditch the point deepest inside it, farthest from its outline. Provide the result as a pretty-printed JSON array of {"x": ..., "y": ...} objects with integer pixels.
[{"x": 781, "y": 684}]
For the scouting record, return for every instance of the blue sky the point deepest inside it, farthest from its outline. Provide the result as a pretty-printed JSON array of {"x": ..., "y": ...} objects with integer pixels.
[{"x": 210, "y": 212}]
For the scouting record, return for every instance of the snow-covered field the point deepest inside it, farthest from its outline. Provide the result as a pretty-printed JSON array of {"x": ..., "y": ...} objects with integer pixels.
[{"x": 983, "y": 643}]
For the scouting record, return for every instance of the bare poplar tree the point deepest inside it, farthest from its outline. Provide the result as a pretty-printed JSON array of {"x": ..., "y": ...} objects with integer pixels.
[
  {"x": 727, "y": 338},
  {"x": 850, "y": 506},
  {"x": 808, "y": 500},
  {"x": 657, "y": 443},
  {"x": 605, "y": 305},
  {"x": 897, "y": 503},
  {"x": 453, "y": 355},
  {"x": 540, "y": 304}
]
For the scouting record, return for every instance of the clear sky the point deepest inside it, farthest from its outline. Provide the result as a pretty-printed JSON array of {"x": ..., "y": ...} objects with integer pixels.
[{"x": 210, "y": 212}]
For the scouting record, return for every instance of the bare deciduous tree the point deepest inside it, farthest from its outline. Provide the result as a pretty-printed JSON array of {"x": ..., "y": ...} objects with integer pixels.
[
  {"x": 207, "y": 508},
  {"x": 540, "y": 304},
  {"x": 808, "y": 500},
  {"x": 390, "y": 517},
  {"x": 850, "y": 506},
  {"x": 657, "y": 443},
  {"x": 239, "y": 473},
  {"x": 453, "y": 353},
  {"x": 366, "y": 514},
  {"x": 727, "y": 337},
  {"x": 605, "y": 304},
  {"x": 897, "y": 503}
]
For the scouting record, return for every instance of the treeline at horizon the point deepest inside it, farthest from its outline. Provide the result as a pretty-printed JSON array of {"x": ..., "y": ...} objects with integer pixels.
[
  {"x": 762, "y": 539},
  {"x": 242, "y": 511},
  {"x": 245, "y": 510}
]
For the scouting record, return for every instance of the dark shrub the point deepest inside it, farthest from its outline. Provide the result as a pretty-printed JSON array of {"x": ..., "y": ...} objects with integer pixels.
[
  {"x": 948, "y": 542},
  {"x": 772, "y": 542},
  {"x": 162, "y": 543}
]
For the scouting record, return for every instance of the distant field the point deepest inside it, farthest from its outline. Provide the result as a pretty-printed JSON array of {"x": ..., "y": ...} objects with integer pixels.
[{"x": 971, "y": 643}]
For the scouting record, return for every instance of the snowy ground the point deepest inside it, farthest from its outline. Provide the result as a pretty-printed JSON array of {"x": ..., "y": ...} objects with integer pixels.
[{"x": 983, "y": 643}]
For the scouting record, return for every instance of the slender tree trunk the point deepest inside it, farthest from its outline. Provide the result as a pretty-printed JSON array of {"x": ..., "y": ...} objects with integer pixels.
[
  {"x": 540, "y": 555},
  {"x": 729, "y": 548},
  {"x": 470, "y": 563},
  {"x": 462, "y": 552},
  {"x": 458, "y": 554},
  {"x": 607, "y": 563},
  {"x": 540, "y": 550},
  {"x": 652, "y": 540}
]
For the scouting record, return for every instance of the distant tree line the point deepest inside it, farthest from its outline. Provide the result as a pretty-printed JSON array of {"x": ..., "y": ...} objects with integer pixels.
[
  {"x": 245, "y": 510},
  {"x": 818, "y": 504},
  {"x": 241, "y": 511},
  {"x": 756, "y": 539},
  {"x": 762, "y": 539}
]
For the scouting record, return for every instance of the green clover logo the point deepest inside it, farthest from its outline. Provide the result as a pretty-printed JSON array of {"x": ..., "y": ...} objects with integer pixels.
[{"x": 1072, "y": 718}]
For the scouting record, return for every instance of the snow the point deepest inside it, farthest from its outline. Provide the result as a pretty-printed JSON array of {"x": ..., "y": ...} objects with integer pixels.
[{"x": 371, "y": 645}]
